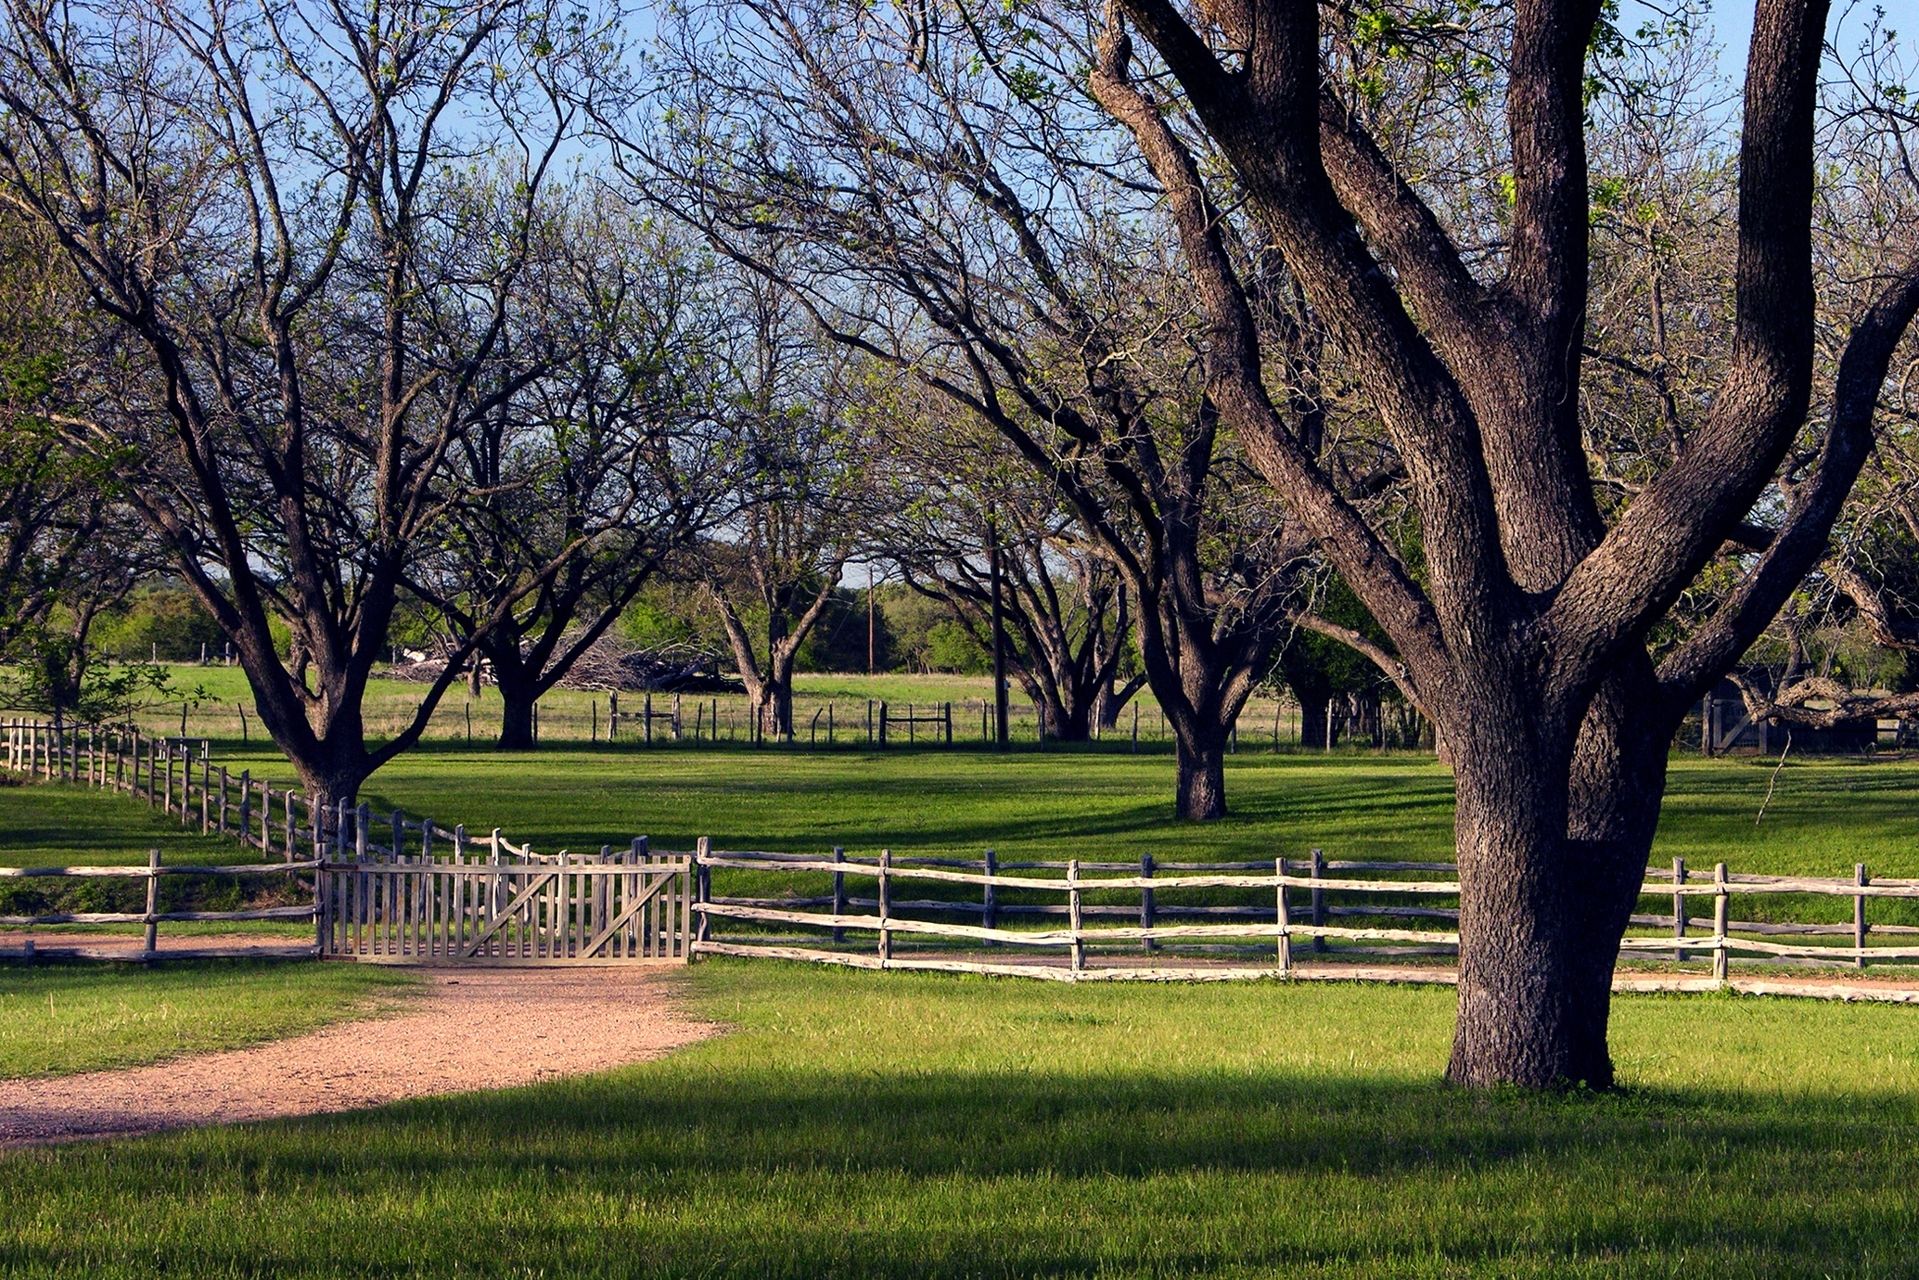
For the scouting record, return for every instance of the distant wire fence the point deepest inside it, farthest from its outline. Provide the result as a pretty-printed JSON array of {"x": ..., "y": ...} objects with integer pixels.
[
  {"x": 634, "y": 719},
  {"x": 396, "y": 888}
]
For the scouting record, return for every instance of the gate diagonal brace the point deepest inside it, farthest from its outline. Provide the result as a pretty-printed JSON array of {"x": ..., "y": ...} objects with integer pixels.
[
  {"x": 652, "y": 891},
  {"x": 520, "y": 899}
]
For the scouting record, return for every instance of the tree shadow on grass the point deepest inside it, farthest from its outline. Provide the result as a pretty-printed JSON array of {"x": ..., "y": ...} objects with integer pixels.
[{"x": 681, "y": 1169}]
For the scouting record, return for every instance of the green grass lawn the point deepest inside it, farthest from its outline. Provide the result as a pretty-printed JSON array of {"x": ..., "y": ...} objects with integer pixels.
[
  {"x": 903, "y": 1125},
  {"x": 61, "y": 1019},
  {"x": 46, "y": 825},
  {"x": 222, "y": 708},
  {"x": 1824, "y": 815}
]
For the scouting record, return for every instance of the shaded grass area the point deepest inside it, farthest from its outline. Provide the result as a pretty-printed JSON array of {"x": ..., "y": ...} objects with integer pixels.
[
  {"x": 896, "y": 1125},
  {"x": 49, "y": 824},
  {"x": 46, "y": 824},
  {"x": 58, "y": 1020}
]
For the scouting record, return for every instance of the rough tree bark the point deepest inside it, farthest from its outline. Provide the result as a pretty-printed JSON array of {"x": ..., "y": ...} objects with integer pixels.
[{"x": 1525, "y": 638}]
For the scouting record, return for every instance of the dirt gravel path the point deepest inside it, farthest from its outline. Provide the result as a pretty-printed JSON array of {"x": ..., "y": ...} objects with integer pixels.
[{"x": 470, "y": 1029}]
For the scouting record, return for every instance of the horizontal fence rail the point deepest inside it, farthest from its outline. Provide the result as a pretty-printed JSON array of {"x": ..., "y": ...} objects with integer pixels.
[
  {"x": 387, "y": 888},
  {"x": 153, "y": 917},
  {"x": 395, "y": 888},
  {"x": 1363, "y": 908}
]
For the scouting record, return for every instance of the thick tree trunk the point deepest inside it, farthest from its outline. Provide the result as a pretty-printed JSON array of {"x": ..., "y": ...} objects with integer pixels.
[
  {"x": 1314, "y": 724},
  {"x": 1059, "y": 722},
  {"x": 1200, "y": 756},
  {"x": 518, "y": 694},
  {"x": 1552, "y": 851},
  {"x": 330, "y": 775},
  {"x": 776, "y": 704}
]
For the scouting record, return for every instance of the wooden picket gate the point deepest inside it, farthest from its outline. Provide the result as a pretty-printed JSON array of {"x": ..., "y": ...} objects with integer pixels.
[{"x": 623, "y": 907}]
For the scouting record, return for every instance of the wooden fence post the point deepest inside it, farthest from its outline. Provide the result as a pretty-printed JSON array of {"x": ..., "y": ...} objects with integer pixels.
[
  {"x": 1721, "y": 962},
  {"x": 153, "y": 904},
  {"x": 1282, "y": 919},
  {"x": 322, "y": 922},
  {"x": 1136, "y": 728},
  {"x": 702, "y": 887},
  {"x": 1148, "y": 900},
  {"x": 885, "y": 894},
  {"x": 1319, "y": 901},
  {"x": 882, "y": 722},
  {"x": 206, "y": 791},
  {"x": 839, "y": 893},
  {"x": 1679, "y": 908},
  {"x": 223, "y": 800},
  {"x": 1073, "y": 914},
  {"x": 1859, "y": 925},
  {"x": 989, "y": 894}
]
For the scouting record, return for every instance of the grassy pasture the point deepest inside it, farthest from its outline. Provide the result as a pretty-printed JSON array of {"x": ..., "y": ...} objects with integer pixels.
[
  {"x": 62, "y": 1019},
  {"x": 1824, "y": 815},
  {"x": 570, "y": 715},
  {"x": 906, "y": 1125}
]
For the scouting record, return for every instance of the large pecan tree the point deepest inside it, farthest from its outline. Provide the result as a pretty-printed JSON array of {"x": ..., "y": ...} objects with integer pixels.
[{"x": 1533, "y": 632}]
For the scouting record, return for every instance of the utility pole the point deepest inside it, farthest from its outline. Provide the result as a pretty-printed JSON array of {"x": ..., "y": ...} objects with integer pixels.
[
  {"x": 1001, "y": 736},
  {"x": 871, "y": 631}
]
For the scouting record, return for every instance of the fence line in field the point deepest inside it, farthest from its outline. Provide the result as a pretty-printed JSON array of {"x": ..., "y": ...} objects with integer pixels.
[
  {"x": 1302, "y": 899},
  {"x": 1297, "y": 907},
  {"x": 381, "y": 886},
  {"x": 152, "y": 917}
]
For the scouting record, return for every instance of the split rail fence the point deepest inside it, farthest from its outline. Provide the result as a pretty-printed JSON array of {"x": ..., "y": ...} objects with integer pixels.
[
  {"x": 1332, "y": 909},
  {"x": 397, "y": 889}
]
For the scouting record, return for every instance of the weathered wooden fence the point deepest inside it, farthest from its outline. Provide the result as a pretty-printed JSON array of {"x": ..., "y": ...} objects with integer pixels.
[
  {"x": 177, "y": 777},
  {"x": 1282, "y": 905},
  {"x": 616, "y": 906},
  {"x": 380, "y": 887},
  {"x": 153, "y": 917},
  {"x": 394, "y": 888}
]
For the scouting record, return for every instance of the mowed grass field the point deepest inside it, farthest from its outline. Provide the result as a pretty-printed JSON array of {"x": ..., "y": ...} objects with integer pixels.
[
  {"x": 1824, "y": 815},
  {"x": 220, "y": 706},
  {"x": 905, "y": 1125},
  {"x": 894, "y": 1125},
  {"x": 57, "y": 1020}
]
